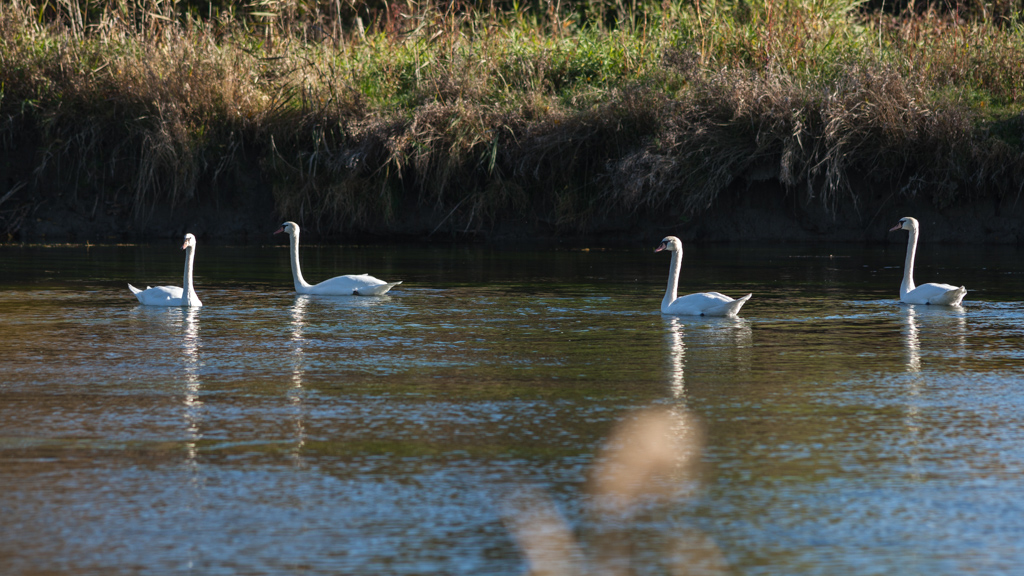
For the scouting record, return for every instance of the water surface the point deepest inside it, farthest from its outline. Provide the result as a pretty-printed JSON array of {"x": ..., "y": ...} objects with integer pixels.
[{"x": 269, "y": 433}]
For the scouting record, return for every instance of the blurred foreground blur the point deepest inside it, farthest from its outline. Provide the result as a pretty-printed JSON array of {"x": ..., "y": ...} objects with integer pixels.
[{"x": 650, "y": 461}]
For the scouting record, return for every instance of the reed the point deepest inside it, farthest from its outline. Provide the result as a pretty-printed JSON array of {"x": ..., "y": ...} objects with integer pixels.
[{"x": 360, "y": 115}]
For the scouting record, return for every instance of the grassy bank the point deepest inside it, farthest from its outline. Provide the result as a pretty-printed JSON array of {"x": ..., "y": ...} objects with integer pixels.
[{"x": 360, "y": 115}]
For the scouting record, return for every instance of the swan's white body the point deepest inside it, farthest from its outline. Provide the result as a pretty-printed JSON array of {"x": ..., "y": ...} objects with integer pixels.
[
  {"x": 933, "y": 293},
  {"x": 348, "y": 285},
  {"x": 699, "y": 304},
  {"x": 173, "y": 295}
]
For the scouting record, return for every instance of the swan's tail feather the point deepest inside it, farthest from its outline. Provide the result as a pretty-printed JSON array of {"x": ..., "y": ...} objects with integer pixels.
[
  {"x": 376, "y": 290},
  {"x": 951, "y": 297},
  {"x": 136, "y": 292},
  {"x": 728, "y": 308},
  {"x": 957, "y": 296}
]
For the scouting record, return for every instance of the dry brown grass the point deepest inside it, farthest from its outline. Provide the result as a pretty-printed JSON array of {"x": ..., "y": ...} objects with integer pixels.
[{"x": 873, "y": 125}]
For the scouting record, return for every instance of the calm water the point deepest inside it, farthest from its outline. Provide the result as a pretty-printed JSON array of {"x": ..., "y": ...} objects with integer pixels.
[{"x": 267, "y": 433}]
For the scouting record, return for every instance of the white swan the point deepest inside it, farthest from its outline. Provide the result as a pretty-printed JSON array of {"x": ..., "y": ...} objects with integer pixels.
[
  {"x": 172, "y": 295},
  {"x": 700, "y": 304},
  {"x": 938, "y": 294},
  {"x": 348, "y": 285}
]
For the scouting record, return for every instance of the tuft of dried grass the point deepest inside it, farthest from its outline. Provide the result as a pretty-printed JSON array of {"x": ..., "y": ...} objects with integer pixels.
[{"x": 872, "y": 123}]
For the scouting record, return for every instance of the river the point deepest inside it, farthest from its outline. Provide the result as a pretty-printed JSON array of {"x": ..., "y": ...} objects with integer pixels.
[{"x": 269, "y": 433}]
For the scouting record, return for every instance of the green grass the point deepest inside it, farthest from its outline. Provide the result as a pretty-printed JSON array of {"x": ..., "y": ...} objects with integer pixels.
[{"x": 474, "y": 116}]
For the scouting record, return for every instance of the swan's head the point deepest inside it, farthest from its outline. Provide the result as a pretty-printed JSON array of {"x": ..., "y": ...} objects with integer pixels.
[
  {"x": 190, "y": 242},
  {"x": 288, "y": 228},
  {"x": 670, "y": 243},
  {"x": 907, "y": 223}
]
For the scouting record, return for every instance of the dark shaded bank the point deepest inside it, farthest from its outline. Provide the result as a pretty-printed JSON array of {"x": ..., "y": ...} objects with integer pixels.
[{"x": 241, "y": 209}]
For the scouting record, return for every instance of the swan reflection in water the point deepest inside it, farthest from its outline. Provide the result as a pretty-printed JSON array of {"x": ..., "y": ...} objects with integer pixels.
[
  {"x": 912, "y": 340},
  {"x": 295, "y": 393},
  {"x": 298, "y": 322},
  {"x": 190, "y": 346},
  {"x": 677, "y": 358},
  {"x": 304, "y": 306},
  {"x": 153, "y": 324},
  {"x": 720, "y": 341},
  {"x": 191, "y": 358},
  {"x": 950, "y": 325},
  {"x": 341, "y": 303},
  {"x": 943, "y": 326}
]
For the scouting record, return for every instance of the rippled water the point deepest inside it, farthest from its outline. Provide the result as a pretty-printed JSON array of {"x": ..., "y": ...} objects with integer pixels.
[{"x": 267, "y": 433}]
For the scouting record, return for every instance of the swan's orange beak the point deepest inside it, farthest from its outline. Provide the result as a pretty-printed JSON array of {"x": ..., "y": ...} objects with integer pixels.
[
  {"x": 896, "y": 227},
  {"x": 661, "y": 247},
  {"x": 185, "y": 245},
  {"x": 279, "y": 230}
]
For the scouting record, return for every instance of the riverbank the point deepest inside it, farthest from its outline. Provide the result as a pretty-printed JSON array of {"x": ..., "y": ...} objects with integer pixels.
[
  {"x": 735, "y": 121},
  {"x": 764, "y": 212}
]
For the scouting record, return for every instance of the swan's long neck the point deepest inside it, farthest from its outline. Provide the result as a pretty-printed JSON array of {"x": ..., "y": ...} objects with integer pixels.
[
  {"x": 673, "y": 279},
  {"x": 190, "y": 292},
  {"x": 300, "y": 282},
  {"x": 908, "y": 266}
]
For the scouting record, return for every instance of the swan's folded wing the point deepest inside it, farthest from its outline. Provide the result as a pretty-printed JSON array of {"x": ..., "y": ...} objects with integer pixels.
[
  {"x": 719, "y": 296},
  {"x": 161, "y": 296},
  {"x": 377, "y": 290},
  {"x": 939, "y": 288},
  {"x": 937, "y": 294},
  {"x": 706, "y": 304},
  {"x": 730, "y": 308},
  {"x": 351, "y": 285},
  {"x": 696, "y": 304}
]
